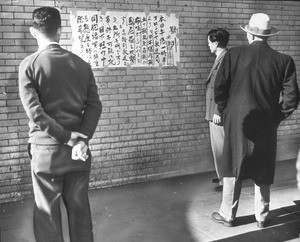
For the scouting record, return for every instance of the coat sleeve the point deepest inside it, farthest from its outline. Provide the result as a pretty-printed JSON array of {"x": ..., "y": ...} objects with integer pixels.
[
  {"x": 290, "y": 91},
  {"x": 33, "y": 107},
  {"x": 92, "y": 110},
  {"x": 298, "y": 169},
  {"x": 222, "y": 84},
  {"x": 217, "y": 111}
]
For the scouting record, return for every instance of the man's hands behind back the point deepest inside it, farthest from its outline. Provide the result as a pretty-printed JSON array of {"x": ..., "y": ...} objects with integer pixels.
[
  {"x": 74, "y": 137},
  {"x": 79, "y": 147}
]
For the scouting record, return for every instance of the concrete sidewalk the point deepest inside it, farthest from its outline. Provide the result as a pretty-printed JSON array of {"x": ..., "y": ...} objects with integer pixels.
[{"x": 174, "y": 210}]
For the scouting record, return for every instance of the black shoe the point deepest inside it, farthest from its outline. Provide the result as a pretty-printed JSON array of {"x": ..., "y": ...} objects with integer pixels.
[
  {"x": 262, "y": 224},
  {"x": 218, "y": 188},
  {"x": 215, "y": 180},
  {"x": 216, "y": 217}
]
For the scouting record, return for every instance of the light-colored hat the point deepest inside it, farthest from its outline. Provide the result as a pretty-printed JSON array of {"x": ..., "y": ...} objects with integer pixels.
[{"x": 259, "y": 25}]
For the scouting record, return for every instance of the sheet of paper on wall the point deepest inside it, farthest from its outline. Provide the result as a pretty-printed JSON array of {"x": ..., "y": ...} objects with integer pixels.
[{"x": 120, "y": 39}]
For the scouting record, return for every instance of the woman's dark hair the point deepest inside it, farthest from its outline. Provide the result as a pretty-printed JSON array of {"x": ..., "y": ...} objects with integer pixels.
[
  {"x": 47, "y": 20},
  {"x": 219, "y": 34}
]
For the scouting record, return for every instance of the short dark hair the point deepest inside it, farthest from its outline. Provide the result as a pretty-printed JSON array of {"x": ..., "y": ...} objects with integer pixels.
[
  {"x": 219, "y": 34},
  {"x": 47, "y": 20}
]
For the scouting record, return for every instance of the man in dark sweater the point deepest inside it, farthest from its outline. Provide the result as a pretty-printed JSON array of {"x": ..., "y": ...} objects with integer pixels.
[{"x": 59, "y": 94}]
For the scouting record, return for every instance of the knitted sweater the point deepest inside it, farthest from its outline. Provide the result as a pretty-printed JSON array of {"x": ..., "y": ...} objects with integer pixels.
[{"x": 59, "y": 94}]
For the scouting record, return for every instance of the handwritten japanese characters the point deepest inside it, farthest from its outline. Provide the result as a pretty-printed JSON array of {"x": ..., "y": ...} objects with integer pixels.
[{"x": 121, "y": 39}]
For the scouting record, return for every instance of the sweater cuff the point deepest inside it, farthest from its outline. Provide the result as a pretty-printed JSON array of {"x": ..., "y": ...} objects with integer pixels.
[
  {"x": 86, "y": 141},
  {"x": 66, "y": 136}
]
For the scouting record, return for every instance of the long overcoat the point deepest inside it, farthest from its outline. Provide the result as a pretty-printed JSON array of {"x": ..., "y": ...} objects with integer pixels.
[{"x": 255, "y": 89}]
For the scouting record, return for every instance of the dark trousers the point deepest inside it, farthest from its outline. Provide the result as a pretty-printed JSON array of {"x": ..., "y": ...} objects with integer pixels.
[{"x": 50, "y": 184}]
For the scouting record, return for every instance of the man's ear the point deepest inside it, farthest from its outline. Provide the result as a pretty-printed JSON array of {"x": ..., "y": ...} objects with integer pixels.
[
  {"x": 58, "y": 33},
  {"x": 33, "y": 32}
]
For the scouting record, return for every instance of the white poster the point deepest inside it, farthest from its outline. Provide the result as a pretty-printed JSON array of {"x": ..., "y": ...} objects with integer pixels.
[{"x": 121, "y": 39}]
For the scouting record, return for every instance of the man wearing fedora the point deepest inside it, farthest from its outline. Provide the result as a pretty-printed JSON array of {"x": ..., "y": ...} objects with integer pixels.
[{"x": 255, "y": 89}]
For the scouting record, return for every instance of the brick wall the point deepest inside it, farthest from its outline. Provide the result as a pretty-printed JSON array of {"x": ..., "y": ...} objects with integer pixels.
[{"x": 152, "y": 124}]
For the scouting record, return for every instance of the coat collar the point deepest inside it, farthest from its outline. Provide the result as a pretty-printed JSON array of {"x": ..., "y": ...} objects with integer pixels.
[
  {"x": 48, "y": 45},
  {"x": 260, "y": 43},
  {"x": 216, "y": 63},
  {"x": 220, "y": 56}
]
